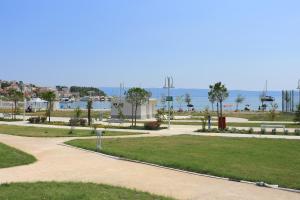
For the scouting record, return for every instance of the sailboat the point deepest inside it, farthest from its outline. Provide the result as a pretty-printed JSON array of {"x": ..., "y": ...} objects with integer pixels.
[{"x": 264, "y": 97}]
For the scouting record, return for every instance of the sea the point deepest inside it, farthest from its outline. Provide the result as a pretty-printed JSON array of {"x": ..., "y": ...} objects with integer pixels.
[{"x": 199, "y": 99}]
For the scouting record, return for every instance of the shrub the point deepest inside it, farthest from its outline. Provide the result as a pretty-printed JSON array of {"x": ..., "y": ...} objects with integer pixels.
[
  {"x": 74, "y": 122},
  {"x": 297, "y": 132},
  {"x": 77, "y": 122},
  {"x": 250, "y": 131},
  {"x": 152, "y": 125},
  {"x": 273, "y": 131},
  {"x": 37, "y": 120},
  {"x": 83, "y": 122},
  {"x": 286, "y": 132},
  {"x": 43, "y": 119},
  {"x": 263, "y": 131}
]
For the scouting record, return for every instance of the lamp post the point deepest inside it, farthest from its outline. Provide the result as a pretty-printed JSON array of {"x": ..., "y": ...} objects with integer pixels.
[
  {"x": 24, "y": 100},
  {"x": 168, "y": 85},
  {"x": 299, "y": 90}
]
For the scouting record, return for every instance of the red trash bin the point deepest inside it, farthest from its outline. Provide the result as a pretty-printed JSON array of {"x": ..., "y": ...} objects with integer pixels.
[{"x": 222, "y": 123}]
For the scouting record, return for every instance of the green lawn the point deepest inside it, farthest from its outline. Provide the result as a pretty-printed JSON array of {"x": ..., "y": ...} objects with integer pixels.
[
  {"x": 69, "y": 113},
  {"x": 252, "y": 116},
  {"x": 10, "y": 157},
  {"x": 54, "y": 132},
  {"x": 236, "y": 124},
  {"x": 269, "y": 160},
  {"x": 70, "y": 191}
]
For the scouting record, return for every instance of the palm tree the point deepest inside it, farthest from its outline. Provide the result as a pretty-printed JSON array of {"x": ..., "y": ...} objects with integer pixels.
[
  {"x": 239, "y": 99},
  {"x": 89, "y": 107},
  {"x": 15, "y": 96},
  {"x": 50, "y": 97},
  {"x": 137, "y": 97}
]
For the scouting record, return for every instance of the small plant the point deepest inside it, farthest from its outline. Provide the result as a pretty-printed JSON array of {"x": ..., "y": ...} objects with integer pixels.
[
  {"x": 94, "y": 131},
  {"x": 263, "y": 131},
  {"x": 286, "y": 132},
  {"x": 71, "y": 131},
  {"x": 233, "y": 130},
  {"x": 273, "y": 113},
  {"x": 297, "y": 132},
  {"x": 274, "y": 131},
  {"x": 83, "y": 122},
  {"x": 160, "y": 115},
  {"x": 77, "y": 112},
  {"x": 250, "y": 131},
  {"x": 297, "y": 115}
]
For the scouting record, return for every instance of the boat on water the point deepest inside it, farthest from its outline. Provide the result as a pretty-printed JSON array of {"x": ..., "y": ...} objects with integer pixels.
[
  {"x": 264, "y": 96},
  {"x": 67, "y": 100}
]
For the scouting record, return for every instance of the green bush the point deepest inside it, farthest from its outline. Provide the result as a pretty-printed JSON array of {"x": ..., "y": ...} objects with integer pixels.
[
  {"x": 274, "y": 131},
  {"x": 286, "y": 132},
  {"x": 297, "y": 132},
  {"x": 251, "y": 131},
  {"x": 37, "y": 120},
  {"x": 263, "y": 131}
]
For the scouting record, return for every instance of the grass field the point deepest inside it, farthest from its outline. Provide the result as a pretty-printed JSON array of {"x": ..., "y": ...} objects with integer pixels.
[
  {"x": 10, "y": 157},
  {"x": 70, "y": 191},
  {"x": 252, "y": 116},
  {"x": 236, "y": 124},
  {"x": 55, "y": 132},
  {"x": 269, "y": 160}
]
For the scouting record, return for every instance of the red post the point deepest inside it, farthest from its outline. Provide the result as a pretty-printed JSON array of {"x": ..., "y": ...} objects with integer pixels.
[{"x": 222, "y": 123}]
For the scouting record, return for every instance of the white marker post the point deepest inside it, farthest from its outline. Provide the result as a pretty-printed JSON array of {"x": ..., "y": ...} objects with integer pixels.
[{"x": 99, "y": 142}]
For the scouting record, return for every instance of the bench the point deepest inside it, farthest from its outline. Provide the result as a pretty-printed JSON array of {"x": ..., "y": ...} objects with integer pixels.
[
  {"x": 119, "y": 121},
  {"x": 274, "y": 126}
]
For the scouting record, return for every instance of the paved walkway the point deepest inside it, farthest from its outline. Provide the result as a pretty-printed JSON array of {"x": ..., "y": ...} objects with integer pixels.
[{"x": 61, "y": 163}]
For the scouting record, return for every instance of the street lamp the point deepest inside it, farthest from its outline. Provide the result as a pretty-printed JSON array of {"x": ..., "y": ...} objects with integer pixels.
[
  {"x": 169, "y": 83},
  {"x": 24, "y": 99}
]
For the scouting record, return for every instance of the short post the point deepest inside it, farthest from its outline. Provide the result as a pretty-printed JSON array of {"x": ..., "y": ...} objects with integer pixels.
[{"x": 99, "y": 140}]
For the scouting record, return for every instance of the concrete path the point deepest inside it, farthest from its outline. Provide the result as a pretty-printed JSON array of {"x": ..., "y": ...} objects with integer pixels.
[{"x": 61, "y": 163}]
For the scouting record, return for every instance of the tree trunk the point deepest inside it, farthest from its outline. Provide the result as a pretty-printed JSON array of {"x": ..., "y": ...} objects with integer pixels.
[
  {"x": 218, "y": 113},
  {"x": 49, "y": 112},
  {"x": 15, "y": 112},
  {"x": 212, "y": 107},
  {"x": 221, "y": 108},
  {"x": 135, "y": 113},
  {"x": 132, "y": 114},
  {"x": 89, "y": 117}
]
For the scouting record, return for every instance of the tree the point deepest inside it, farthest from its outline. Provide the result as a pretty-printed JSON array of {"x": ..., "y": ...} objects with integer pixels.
[
  {"x": 15, "y": 96},
  {"x": 77, "y": 112},
  {"x": 274, "y": 107},
  {"x": 136, "y": 97},
  {"x": 220, "y": 92},
  {"x": 297, "y": 114},
  {"x": 50, "y": 97},
  {"x": 212, "y": 99},
  {"x": 163, "y": 101},
  {"x": 89, "y": 107},
  {"x": 204, "y": 119},
  {"x": 180, "y": 101},
  {"x": 239, "y": 99},
  {"x": 188, "y": 100}
]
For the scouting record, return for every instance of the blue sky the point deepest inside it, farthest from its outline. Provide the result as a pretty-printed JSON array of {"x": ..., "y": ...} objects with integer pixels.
[{"x": 139, "y": 42}]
